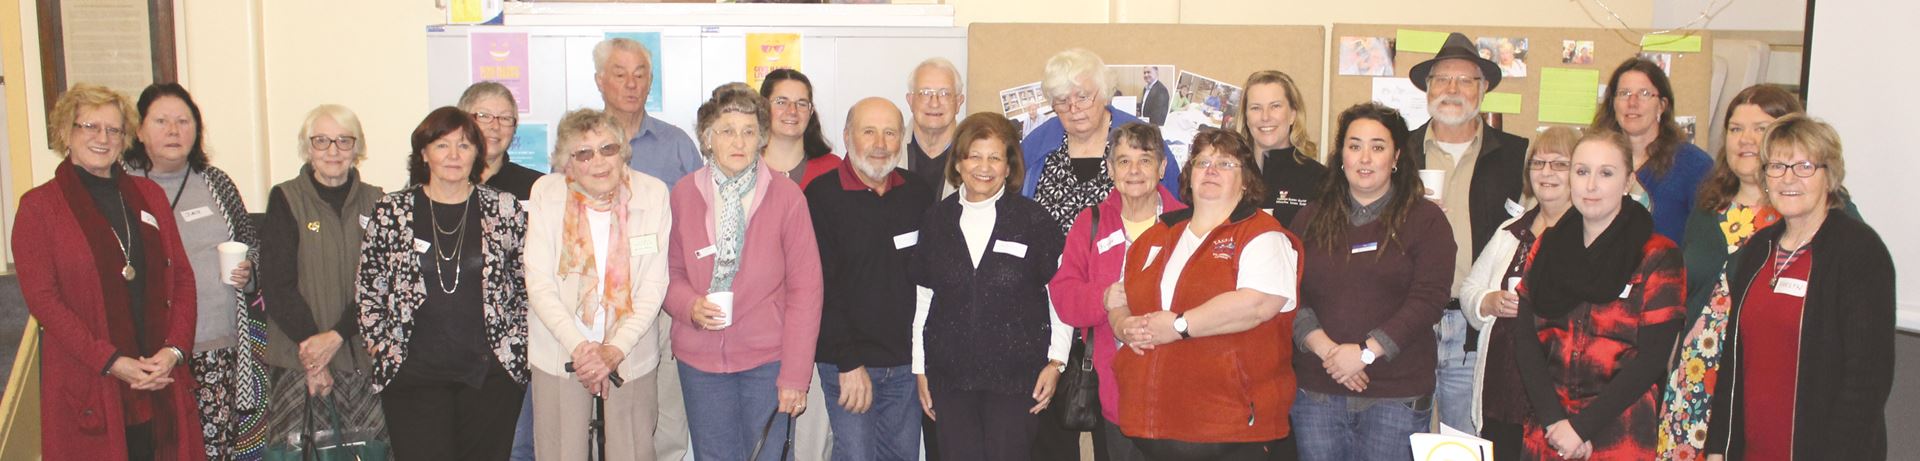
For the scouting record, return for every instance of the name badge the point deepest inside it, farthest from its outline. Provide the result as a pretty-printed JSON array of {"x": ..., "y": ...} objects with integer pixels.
[
  {"x": 365, "y": 221},
  {"x": 1366, "y": 247},
  {"x": 1626, "y": 290},
  {"x": 195, "y": 214},
  {"x": 1514, "y": 209},
  {"x": 148, "y": 218},
  {"x": 704, "y": 252},
  {"x": 1014, "y": 249},
  {"x": 906, "y": 240},
  {"x": 421, "y": 246},
  {"x": 1512, "y": 283},
  {"x": 1791, "y": 287},
  {"x": 1113, "y": 239},
  {"x": 644, "y": 245}
]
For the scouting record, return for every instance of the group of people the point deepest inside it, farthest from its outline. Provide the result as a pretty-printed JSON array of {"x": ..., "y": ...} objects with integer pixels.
[{"x": 935, "y": 278}]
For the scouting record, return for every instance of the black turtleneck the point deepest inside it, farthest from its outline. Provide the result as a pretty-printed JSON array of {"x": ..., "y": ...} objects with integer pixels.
[{"x": 113, "y": 206}]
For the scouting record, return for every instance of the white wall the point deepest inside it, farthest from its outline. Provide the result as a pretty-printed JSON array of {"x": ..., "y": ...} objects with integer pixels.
[{"x": 1738, "y": 14}]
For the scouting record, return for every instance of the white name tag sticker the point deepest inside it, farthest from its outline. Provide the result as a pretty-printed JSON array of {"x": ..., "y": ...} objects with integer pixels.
[
  {"x": 1513, "y": 282},
  {"x": 645, "y": 244},
  {"x": 1624, "y": 291},
  {"x": 1791, "y": 287},
  {"x": 365, "y": 221},
  {"x": 1114, "y": 239},
  {"x": 421, "y": 246},
  {"x": 1366, "y": 247},
  {"x": 906, "y": 240},
  {"x": 195, "y": 214},
  {"x": 1514, "y": 209},
  {"x": 1014, "y": 249},
  {"x": 148, "y": 218},
  {"x": 704, "y": 252}
]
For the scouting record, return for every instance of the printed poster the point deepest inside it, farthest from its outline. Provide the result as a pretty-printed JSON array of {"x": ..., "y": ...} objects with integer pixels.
[
  {"x": 502, "y": 57},
  {"x": 652, "y": 41},
  {"x": 766, "y": 52},
  {"x": 529, "y": 148}
]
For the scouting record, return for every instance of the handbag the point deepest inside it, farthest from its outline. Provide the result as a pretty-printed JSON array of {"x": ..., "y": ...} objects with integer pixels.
[
  {"x": 336, "y": 445},
  {"x": 1079, "y": 390},
  {"x": 766, "y": 430}
]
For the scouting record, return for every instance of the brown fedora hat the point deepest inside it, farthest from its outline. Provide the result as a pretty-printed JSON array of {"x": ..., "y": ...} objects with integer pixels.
[{"x": 1456, "y": 47}]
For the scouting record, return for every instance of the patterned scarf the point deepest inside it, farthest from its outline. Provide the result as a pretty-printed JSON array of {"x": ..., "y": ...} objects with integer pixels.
[
  {"x": 732, "y": 224},
  {"x": 577, "y": 258}
]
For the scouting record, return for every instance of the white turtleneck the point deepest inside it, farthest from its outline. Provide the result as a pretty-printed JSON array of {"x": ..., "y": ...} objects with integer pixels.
[{"x": 976, "y": 223}]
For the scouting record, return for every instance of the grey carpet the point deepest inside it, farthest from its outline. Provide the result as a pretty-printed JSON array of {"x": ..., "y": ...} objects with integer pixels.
[{"x": 13, "y": 321}]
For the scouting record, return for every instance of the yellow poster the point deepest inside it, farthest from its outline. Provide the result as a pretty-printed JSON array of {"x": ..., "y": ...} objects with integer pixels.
[{"x": 766, "y": 52}]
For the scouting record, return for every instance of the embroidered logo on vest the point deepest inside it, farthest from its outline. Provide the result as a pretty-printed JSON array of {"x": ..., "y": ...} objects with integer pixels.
[{"x": 1223, "y": 248}]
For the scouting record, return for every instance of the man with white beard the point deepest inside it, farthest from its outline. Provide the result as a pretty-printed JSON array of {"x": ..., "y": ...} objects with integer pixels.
[
  {"x": 1480, "y": 189},
  {"x": 866, "y": 217}
]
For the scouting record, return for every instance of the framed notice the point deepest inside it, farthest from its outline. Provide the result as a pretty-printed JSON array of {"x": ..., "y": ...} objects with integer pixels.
[{"x": 121, "y": 44}]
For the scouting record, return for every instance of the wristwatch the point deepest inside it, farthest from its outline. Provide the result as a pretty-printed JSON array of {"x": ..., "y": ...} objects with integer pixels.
[
  {"x": 1180, "y": 326},
  {"x": 1367, "y": 356}
]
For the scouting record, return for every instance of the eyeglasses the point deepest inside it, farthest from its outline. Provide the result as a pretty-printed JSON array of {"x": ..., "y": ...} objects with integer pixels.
[
  {"x": 1804, "y": 169},
  {"x": 344, "y": 143},
  {"x": 931, "y": 93},
  {"x": 585, "y": 154},
  {"x": 1642, "y": 95},
  {"x": 163, "y": 122},
  {"x": 1079, "y": 100},
  {"x": 1219, "y": 165},
  {"x": 484, "y": 118},
  {"x": 1455, "y": 81},
  {"x": 94, "y": 129},
  {"x": 730, "y": 133},
  {"x": 1557, "y": 165},
  {"x": 785, "y": 104}
]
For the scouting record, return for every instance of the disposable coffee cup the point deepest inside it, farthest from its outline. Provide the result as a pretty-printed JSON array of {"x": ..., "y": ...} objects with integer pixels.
[
  {"x": 1435, "y": 182},
  {"x": 231, "y": 254},
  {"x": 723, "y": 299}
]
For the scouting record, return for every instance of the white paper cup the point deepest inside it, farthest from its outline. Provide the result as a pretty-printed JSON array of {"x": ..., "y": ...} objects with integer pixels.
[
  {"x": 1435, "y": 181},
  {"x": 723, "y": 299},
  {"x": 231, "y": 254}
]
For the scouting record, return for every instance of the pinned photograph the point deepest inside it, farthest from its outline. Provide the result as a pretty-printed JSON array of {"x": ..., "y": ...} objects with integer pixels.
[
  {"x": 1665, "y": 60},
  {"x": 1688, "y": 125},
  {"x": 1509, "y": 53},
  {"x": 1199, "y": 103},
  {"x": 1366, "y": 56},
  {"x": 1144, "y": 91},
  {"x": 1025, "y": 105},
  {"x": 1576, "y": 52}
]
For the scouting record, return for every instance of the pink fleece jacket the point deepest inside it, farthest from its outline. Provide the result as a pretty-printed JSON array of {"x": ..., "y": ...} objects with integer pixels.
[{"x": 1079, "y": 288}]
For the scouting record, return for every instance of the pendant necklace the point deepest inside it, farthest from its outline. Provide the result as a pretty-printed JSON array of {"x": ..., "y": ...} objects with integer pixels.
[{"x": 126, "y": 270}]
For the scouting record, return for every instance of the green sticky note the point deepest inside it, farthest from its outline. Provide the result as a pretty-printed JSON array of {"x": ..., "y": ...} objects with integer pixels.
[
  {"x": 1503, "y": 103},
  {"x": 1670, "y": 43},
  {"x": 1568, "y": 95},
  {"x": 1419, "y": 41}
]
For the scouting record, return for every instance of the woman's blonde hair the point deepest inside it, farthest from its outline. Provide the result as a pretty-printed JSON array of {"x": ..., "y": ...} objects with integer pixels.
[
  {"x": 1303, "y": 146},
  {"x": 578, "y": 123},
  {"x": 1559, "y": 139},
  {"x": 66, "y": 112},
  {"x": 1798, "y": 132},
  {"x": 1067, "y": 66},
  {"x": 340, "y": 115}
]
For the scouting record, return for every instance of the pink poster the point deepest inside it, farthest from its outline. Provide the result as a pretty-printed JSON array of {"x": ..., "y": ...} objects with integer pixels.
[{"x": 502, "y": 57}]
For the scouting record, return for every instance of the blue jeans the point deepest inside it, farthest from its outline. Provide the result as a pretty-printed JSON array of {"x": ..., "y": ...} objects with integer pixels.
[
  {"x": 889, "y": 430},
  {"x": 1342, "y": 428},
  {"x": 1453, "y": 375},
  {"x": 523, "y": 431},
  {"x": 726, "y": 411}
]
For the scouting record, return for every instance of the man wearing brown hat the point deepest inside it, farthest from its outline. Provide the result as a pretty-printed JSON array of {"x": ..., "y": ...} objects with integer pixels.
[{"x": 1480, "y": 189}]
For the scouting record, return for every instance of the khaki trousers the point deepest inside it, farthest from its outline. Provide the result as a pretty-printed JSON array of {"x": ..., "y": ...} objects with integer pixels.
[{"x": 563, "y": 408}]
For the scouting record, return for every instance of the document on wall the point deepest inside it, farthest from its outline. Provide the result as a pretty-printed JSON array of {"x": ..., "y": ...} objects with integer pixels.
[
  {"x": 766, "y": 52},
  {"x": 1569, "y": 95},
  {"x": 107, "y": 42},
  {"x": 502, "y": 57},
  {"x": 1400, "y": 94}
]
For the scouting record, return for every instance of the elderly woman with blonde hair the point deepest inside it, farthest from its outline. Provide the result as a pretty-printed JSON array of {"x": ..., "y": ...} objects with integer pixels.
[
  {"x": 595, "y": 280},
  {"x": 1065, "y": 157}
]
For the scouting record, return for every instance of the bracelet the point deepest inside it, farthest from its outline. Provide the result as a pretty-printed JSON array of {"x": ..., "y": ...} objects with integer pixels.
[{"x": 178, "y": 355}]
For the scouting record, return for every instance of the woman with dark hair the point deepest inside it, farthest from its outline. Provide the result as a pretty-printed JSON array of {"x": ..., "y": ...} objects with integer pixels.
[
  {"x": 101, "y": 268},
  {"x": 1599, "y": 310},
  {"x": 984, "y": 326},
  {"x": 1811, "y": 331},
  {"x": 1667, "y": 169},
  {"x": 1286, "y": 159},
  {"x": 796, "y": 147},
  {"x": 443, "y": 301},
  {"x": 1382, "y": 262},
  {"x": 229, "y": 337}
]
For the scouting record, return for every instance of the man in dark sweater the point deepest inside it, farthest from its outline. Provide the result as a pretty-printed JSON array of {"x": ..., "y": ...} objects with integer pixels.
[{"x": 867, "y": 219}]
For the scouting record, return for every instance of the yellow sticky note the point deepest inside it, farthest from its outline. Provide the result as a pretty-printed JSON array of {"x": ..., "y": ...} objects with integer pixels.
[
  {"x": 1569, "y": 95},
  {"x": 1419, "y": 41},
  {"x": 464, "y": 12},
  {"x": 1503, "y": 103},
  {"x": 1670, "y": 43}
]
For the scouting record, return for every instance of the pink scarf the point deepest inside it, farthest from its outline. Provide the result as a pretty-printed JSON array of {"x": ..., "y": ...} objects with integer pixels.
[{"x": 577, "y": 258}]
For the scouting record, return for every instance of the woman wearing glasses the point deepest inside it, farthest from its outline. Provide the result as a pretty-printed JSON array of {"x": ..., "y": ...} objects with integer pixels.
[
  {"x": 493, "y": 108},
  {"x": 311, "y": 238},
  {"x": 1065, "y": 158},
  {"x": 1811, "y": 331},
  {"x": 796, "y": 148},
  {"x": 102, "y": 269},
  {"x": 1667, "y": 169}
]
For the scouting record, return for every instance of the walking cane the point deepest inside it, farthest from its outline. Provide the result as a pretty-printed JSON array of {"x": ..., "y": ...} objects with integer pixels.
[{"x": 597, "y": 421}]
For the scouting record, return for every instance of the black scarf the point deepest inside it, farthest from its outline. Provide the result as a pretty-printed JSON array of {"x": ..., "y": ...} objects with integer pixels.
[{"x": 1567, "y": 272}]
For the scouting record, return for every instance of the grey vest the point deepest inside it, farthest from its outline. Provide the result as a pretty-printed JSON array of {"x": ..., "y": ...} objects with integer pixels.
[{"x": 329, "y": 255}]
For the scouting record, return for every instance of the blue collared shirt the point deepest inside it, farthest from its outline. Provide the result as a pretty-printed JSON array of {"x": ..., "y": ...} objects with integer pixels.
[{"x": 663, "y": 151}]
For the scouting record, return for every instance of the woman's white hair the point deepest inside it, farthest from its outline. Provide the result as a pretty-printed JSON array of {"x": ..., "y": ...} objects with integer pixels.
[
  {"x": 341, "y": 115},
  {"x": 1067, "y": 67}
]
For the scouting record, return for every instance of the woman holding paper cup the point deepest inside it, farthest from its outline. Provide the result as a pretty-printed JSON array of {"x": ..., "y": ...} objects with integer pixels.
[
  {"x": 1599, "y": 310},
  {"x": 595, "y": 280},
  {"x": 746, "y": 316},
  {"x": 1668, "y": 169},
  {"x": 101, "y": 268},
  {"x": 311, "y": 238},
  {"x": 229, "y": 338}
]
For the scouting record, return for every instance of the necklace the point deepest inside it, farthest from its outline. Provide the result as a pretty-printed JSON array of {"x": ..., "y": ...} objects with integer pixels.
[
  {"x": 126, "y": 270},
  {"x": 440, "y": 251},
  {"x": 458, "y": 228},
  {"x": 1782, "y": 266}
]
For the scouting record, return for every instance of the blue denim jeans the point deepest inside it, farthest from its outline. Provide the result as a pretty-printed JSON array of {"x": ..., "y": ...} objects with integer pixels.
[
  {"x": 523, "y": 431},
  {"x": 889, "y": 430},
  {"x": 1344, "y": 428},
  {"x": 1453, "y": 375},
  {"x": 726, "y": 412}
]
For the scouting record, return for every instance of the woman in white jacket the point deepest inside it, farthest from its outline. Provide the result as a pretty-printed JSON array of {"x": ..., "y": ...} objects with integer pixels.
[
  {"x": 1488, "y": 292},
  {"x": 596, "y": 276}
]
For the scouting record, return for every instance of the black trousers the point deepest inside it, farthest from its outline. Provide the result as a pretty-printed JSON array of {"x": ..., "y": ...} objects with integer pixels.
[
  {"x": 447, "y": 420},
  {"x": 976, "y": 425},
  {"x": 1111, "y": 445},
  {"x": 1050, "y": 440},
  {"x": 1507, "y": 438}
]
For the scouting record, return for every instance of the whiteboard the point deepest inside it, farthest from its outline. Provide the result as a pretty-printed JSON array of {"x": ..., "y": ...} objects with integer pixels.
[
  {"x": 1870, "y": 100},
  {"x": 846, "y": 64}
]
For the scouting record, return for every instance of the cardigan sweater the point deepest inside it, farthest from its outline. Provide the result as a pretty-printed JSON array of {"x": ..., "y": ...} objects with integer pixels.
[
  {"x": 554, "y": 301},
  {"x": 1043, "y": 140},
  {"x": 1846, "y": 346},
  {"x": 1704, "y": 247},
  {"x": 776, "y": 293},
  {"x": 1671, "y": 195},
  {"x": 988, "y": 326},
  {"x": 1393, "y": 293},
  {"x": 1090, "y": 263},
  {"x": 867, "y": 243}
]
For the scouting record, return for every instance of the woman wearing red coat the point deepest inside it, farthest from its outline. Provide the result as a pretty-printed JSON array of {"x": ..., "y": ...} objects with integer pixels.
[{"x": 101, "y": 267}]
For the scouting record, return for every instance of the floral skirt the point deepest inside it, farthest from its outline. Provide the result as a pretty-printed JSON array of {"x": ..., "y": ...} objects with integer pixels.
[{"x": 1689, "y": 388}]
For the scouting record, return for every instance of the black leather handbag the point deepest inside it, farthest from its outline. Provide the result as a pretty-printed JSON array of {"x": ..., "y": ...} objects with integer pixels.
[{"x": 1079, "y": 392}]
